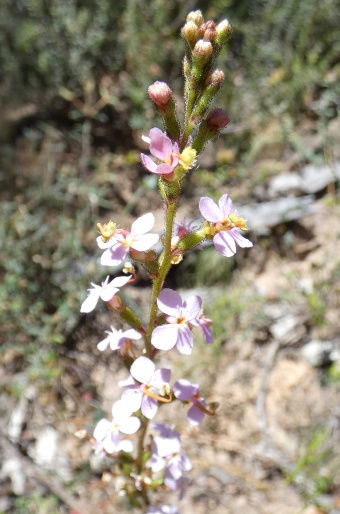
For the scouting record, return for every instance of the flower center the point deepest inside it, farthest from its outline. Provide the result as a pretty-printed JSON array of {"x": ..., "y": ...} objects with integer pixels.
[{"x": 231, "y": 221}]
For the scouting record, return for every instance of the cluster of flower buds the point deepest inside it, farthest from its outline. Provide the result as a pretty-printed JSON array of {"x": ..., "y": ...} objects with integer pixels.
[{"x": 173, "y": 320}]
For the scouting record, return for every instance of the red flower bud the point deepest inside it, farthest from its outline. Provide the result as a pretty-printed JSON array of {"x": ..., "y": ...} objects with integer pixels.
[
  {"x": 209, "y": 35},
  {"x": 217, "y": 119}
]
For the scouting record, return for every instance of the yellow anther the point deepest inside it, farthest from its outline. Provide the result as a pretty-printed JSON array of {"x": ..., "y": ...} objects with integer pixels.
[
  {"x": 107, "y": 230},
  {"x": 187, "y": 158},
  {"x": 238, "y": 221}
]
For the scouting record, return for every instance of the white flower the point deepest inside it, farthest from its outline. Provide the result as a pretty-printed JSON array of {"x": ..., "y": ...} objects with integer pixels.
[{"x": 106, "y": 291}]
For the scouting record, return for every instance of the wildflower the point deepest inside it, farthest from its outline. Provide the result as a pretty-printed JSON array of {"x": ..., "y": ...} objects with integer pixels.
[
  {"x": 143, "y": 387},
  {"x": 189, "y": 392},
  {"x": 118, "y": 246},
  {"x": 106, "y": 291},
  {"x": 223, "y": 225},
  {"x": 179, "y": 315},
  {"x": 166, "y": 453},
  {"x": 162, "y": 148},
  {"x": 107, "y": 434},
  {"x": 117, "y": 339}
]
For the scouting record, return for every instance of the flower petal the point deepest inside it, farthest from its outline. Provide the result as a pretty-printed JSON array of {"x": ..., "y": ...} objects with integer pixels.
[
  {"x": 225, "y": 204},
  {"x": 131, "y": 334},
  {"x": 149, "y": 406},
  {"x": 91, "y": 301},
  {"x": 185, "y": 341},
  {"x": 183, "y": 389},
  {"x": 133, "y": 399},
  {"x": 145, "y": 242},
  {"x": 148, "y": 163},
  {"x": 195, "y": 415},
  {"x": 169, "y": 302},
  {"x": 101, "y": 430},
  {"x": 225, "y": 244},
  {"x": 210, "y": 210},
  {"x": 192, "y": 309},
  {"x": 243, "y": 242},
  {"x": 108, "y": 293},
  {"x": 102, "y": 345},
  {"x": 160, "y": 145},
  {"x": 143, "y": 224},
  {"x": 166, "y": 169},
  {"x": 114, "y": 256},
  {"x": 164, "y": 337},
  {"x": 129, "y": 425},
  {"x": 142, "y": 370},
  {"x": 120, "y": 281},
  {"x": 160, "y": 377}
]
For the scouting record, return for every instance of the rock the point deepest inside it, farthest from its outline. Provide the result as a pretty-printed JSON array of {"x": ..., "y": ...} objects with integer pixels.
[
  {"x": 309, "y": 180},
  {"x": 289, "y": 329},
  {"x": 12, "y": 468},
  {"x": 50, "y": 454},
  {"x": 263, "y": 216},
  {"x": 319, "y": 353}
]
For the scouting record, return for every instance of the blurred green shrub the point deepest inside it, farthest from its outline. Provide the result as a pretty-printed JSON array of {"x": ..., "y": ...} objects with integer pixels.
[{"x": 282, "y": 54}]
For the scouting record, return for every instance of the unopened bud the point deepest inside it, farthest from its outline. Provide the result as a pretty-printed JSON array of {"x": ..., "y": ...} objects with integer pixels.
[
  {"x": 207, "y": 26},
  {"x": 214, "y": 78},
  {"x": 212, "y": 84},
  {"x": 223, "y": 32},
  {"x": 190, "y": 33},
  {"x": 202, "y": 52},
  {"x": 196, "y": 17},
  {"x": 209, "y": 35},
  {"x": 217, "y": 119},
  {"x": 160, "y": 94}
]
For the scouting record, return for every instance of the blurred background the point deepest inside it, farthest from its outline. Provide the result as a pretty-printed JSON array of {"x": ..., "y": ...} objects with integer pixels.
[{"x": 73, "y": 80}]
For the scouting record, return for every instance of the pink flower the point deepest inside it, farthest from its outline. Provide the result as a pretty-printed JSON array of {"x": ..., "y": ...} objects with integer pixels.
[
  {"x": 164, "y": 150},
  {"x": 118, "y": 246},
  {"x": 205, "y": 324},
  {"x": 117, "y": 339},
  {"x": 107, "y": 434},
  {"x": 179, "y": 316},
  {"x": 225, "y": 222},
  {"x": 189, "y": 392},
  {"x": 143, "y": 386},
  {"x": 106, "y": 291},
  {"x": 167, "y": 455}
]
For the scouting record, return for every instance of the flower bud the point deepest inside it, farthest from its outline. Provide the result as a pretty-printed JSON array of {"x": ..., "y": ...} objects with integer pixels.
[
  {"x": 196, "y": 17},
  {"x": 190, "y": 33},
  {"x": 160, "y": 94},
  {"x": 217, "y": 119},
  {"x": 209, "y": 35},
  {"x": 214, "y": 78},
  {"x": 208, "y": 25},
  {"x": 162, "y": 97},
  {"x": 211, "y": 86},
  {"x": 202, "y": 53},
  {"x": 223, "y": 32}
]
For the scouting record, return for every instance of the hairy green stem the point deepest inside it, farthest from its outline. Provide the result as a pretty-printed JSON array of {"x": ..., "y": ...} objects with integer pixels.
[{"x": 165, "y": 264}]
